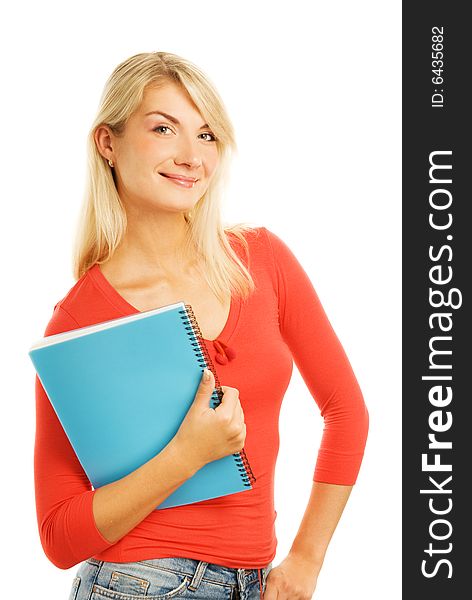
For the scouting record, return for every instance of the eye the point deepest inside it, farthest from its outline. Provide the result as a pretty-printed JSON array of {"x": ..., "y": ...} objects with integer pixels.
[
  {"x": 211, "y": 135},
  {"x": 162, "y": 127}
]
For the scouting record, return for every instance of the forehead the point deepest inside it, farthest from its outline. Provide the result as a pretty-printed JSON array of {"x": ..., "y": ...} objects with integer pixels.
[{"x": 170, "y": 97}]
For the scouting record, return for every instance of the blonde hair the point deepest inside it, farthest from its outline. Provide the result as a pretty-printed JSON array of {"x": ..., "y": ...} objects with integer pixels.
[{"x": 102, "y": 219}]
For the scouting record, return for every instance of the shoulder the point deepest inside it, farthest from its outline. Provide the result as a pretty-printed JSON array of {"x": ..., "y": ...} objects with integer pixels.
[
  {"x": 252, "y": 244},
  {"x": 68, "y": 312},
  {"x": 255, "y": 237},
  {"x": 259, "y": 240},
  {"x": 60, "y": 321},
  {"x": 266, "y": 252},
  {"x": 272, "y": 252}
]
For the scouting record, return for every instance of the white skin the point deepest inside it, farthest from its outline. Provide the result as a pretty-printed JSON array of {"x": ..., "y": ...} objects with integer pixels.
[{"x": 154, "y": 204}]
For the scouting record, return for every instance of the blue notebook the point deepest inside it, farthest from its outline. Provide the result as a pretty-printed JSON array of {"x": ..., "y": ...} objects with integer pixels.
[{"x": 121, "y": 389}]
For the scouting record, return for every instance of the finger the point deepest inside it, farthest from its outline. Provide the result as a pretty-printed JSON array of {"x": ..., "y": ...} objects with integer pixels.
[
  {"x": 229, "y": 401},
  {"x": 271, "y": 593},
  {"x": 238, "y": 419}
]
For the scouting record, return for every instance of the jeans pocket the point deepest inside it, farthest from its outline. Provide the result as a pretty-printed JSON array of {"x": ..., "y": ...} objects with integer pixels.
[
  {"x": 124, "y": 586},
  {"x": 75, "y": 588}
]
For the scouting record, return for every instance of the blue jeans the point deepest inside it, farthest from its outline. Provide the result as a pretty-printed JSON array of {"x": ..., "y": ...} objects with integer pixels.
[{"x": 163, "y": 578}]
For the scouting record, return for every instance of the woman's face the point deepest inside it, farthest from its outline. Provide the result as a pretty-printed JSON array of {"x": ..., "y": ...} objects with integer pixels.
[{"x": 155, "y": 149}]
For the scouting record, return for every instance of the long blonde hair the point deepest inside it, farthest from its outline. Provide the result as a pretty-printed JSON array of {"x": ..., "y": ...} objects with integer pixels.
[{"x": 102, "y": 219}]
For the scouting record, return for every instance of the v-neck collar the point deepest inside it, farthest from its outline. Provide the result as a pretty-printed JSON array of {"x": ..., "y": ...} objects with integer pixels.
[{"x": 126, "y": 308}]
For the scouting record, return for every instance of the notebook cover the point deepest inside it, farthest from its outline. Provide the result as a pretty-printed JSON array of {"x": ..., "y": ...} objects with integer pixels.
[{"x": 122, "y": 392}]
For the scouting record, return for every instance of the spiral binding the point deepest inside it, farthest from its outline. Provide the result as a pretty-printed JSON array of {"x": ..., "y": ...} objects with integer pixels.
[{"x": 204, "y": 359}]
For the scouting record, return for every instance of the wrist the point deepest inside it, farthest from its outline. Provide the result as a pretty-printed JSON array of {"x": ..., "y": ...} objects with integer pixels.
[
  {"x": 183, "y": 458},
  {"x": 312, "y": 561}
]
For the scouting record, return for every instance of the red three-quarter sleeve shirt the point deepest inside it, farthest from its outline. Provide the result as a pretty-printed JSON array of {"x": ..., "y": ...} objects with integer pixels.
[{"x": 281, "y": 322}]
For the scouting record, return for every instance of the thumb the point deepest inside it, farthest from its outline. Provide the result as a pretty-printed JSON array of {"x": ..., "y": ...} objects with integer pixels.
[{"x": 205, "y": 388}]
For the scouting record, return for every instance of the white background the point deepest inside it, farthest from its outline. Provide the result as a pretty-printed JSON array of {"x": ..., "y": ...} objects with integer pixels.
[{"x": 313, "y": 89}]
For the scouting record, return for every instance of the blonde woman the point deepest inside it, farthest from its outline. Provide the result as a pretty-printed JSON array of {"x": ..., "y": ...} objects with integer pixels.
[{"x": 150, "y": 234}]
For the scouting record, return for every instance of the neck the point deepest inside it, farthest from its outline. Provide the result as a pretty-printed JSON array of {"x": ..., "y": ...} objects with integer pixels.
[{"x": 155, "y": 242}]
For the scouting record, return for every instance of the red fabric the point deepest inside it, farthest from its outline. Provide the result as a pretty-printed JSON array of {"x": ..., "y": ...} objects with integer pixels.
[{"x": 281, "y": 320}]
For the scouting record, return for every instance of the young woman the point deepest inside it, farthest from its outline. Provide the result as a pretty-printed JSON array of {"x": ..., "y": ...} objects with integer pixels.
[{"x": 150, "y": 235}]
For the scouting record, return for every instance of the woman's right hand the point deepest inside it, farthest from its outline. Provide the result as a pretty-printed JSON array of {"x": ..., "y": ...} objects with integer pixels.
[{"x": 207, "y": 434}]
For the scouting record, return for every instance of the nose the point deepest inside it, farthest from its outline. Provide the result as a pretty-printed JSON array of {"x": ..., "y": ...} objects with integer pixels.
[
  {"x": 187, "y": 153},
  {"x": 193, "y": 161}
]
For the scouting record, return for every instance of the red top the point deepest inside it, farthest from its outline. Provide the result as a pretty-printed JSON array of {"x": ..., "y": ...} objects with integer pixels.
[{"x": 253, "y": 353}]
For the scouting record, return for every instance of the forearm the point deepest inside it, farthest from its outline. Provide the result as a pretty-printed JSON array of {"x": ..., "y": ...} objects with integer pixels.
[
  {"x": 119, "y": 506},
  {"x": 325, "y": 507}
]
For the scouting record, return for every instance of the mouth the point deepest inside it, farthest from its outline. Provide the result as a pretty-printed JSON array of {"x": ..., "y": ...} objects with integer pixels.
[{"x": 180, "y": 178}]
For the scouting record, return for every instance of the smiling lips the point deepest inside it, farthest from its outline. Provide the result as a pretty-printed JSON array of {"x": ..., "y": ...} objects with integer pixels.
[{"x": 187, "y": 182}]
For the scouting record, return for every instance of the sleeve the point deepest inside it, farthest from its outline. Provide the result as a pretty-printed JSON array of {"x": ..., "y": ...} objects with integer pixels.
[
  {"x": 324, "y": 367},
  {"x": 63, "y": 493}
]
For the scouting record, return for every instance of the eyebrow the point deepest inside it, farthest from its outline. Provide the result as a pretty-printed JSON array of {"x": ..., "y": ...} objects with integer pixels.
[{"x": 170, "y": 117}]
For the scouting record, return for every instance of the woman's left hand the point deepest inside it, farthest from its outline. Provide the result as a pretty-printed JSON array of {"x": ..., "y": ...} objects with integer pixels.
[{"x": 294, "y": 579}]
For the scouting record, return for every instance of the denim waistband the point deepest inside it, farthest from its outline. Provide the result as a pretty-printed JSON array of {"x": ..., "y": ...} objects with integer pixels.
[{"x": 197, "y": 570}]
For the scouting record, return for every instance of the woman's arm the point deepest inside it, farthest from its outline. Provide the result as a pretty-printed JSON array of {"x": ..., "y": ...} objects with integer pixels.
[
  {"x": 75, "y": 521},
  {"x": 296, "y": 576},
  {"x": 324, "y": 367},
  {"x": 328, "y": 374},
  {"x": 325, "y": 507}
]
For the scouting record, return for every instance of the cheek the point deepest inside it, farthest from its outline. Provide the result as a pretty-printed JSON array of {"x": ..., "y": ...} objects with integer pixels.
[
  {"x": 135, "y": 167},
  {"x": 140, "y": 146},
  {"x": 140, "y": 159},
  {"x": 212, "y": 162}
]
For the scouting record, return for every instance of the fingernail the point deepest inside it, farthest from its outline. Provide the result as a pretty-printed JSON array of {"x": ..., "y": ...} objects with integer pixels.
[{"x": 206, "y": 375}]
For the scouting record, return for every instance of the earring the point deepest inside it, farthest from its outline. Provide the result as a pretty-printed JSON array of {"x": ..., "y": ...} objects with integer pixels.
[{"x": 110, "y": 163}]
